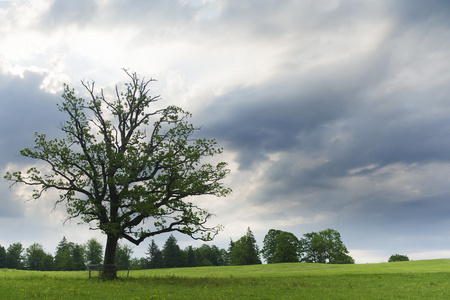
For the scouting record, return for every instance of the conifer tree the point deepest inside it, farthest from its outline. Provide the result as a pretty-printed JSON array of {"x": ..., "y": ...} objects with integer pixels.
[
  {"x": 245, "y": 251},
  {"x": 2, "y": 257},
  {"x": 154, "y": 256},
  {"x": 172, "y": 254}
]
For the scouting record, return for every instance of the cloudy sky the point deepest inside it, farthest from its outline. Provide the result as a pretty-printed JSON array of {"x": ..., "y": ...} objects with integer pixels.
[{"x": 332, "y": 114}]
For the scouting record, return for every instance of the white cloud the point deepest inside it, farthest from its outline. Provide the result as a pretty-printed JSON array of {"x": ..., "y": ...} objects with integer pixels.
[
  {"x": 429, "y": 255},
  {"x": 369, "y": 256}
]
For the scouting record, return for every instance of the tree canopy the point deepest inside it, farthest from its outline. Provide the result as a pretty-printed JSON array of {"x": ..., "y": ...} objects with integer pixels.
[
  {"x": 324, "y": 246},
  {"x": 2, "y": 257},
  {"x": 35, "y": 257},
  {"x": 14, "y": 256},
  {"x": 172, "y": 254},
  {"x": 398, "y": 257},
  {"x": 154, "y": 256},
  {"x": 280, "y": 246},
  {"x": 69, "y": 256},
  {"x": 244, "y": 251},
  {"x": 123, "y": 256},
  {"x": 93, "y": 252},
  {"x": 124, "y": 161}
]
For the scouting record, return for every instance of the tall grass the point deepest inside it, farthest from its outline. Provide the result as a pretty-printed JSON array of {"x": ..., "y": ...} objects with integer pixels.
[{"x": 402, "y": 280}]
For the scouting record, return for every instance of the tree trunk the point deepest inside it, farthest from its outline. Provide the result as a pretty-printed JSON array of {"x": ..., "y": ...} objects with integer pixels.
[{"x": 109, "y": 267}]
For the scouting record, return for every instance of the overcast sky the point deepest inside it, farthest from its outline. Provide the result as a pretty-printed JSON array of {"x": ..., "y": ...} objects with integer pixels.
[{"x": 332, "y": 114}]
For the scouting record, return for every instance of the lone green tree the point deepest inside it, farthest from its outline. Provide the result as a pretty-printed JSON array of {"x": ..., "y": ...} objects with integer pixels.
[
  {"x": 398, "y": 257},
  {"x": 280, "y": 246},
  {"x": 324, "y": 246},
  {"x": 124, "y": 161}
]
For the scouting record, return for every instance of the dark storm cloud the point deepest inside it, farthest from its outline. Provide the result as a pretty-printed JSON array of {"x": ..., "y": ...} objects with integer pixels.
[
  {"x": 417, "y": 11},
  {"x": 426, "y": 211},
  {"x": 406, "y": 137},
  {"x": 25, "y": 109},
  {"x": 344, "y": 130},
  {"x": 260, "y": 122},
  {"x": 308, "y": 115},
  {"x": 276, "y": 116},
  {"x": 411, "y": 225},
  {"x": 342, "y": 134}
]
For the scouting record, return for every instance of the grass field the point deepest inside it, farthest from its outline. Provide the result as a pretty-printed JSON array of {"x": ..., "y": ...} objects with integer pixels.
[{"x": 427, "y": 279}]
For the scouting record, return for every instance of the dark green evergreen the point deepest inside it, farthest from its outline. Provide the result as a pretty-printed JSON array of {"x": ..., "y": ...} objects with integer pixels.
[
  {"x": 63, "y": 256},
  {"x": 191, "y": 257},
  {"x": 245, "y": 251},
  {"x": 78, "y": 257},
  {"x": 154, "y": 256},
  {"x": 69, "y": 256},
  {"x": 2, "y": 257},
  {"x": 172, "y": 254}
]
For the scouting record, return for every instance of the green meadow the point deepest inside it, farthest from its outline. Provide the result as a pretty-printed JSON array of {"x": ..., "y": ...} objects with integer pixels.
[{"x": 426, "y": 279}]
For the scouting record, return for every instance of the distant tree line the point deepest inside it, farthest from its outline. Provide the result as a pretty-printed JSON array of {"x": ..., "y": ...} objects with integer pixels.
[
  {"x": 172, "y": 256},
  {"x": 68, "y": 256},
  {"x": 279, "y": 246}
]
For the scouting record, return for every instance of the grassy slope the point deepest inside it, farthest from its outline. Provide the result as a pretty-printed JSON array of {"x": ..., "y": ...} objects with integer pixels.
[
  {"x": 298, "y": 269},
  {"x": 428, "y": 279}
]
